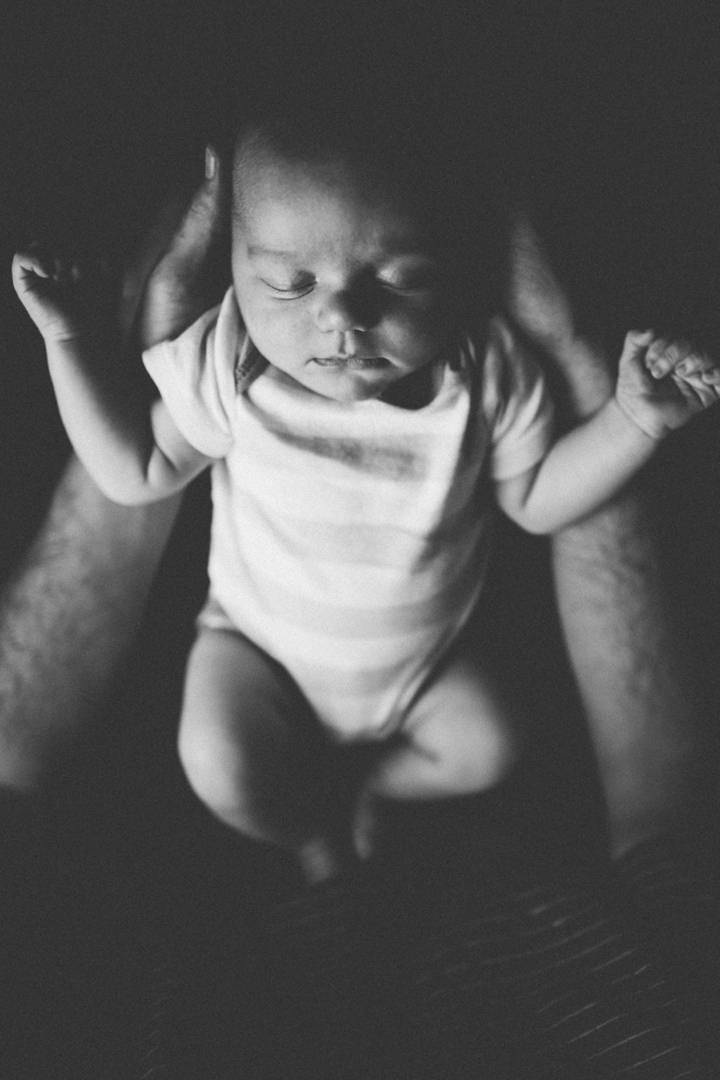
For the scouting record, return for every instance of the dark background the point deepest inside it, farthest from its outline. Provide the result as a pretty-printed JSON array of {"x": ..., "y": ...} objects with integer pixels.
[{"x": 608, "y": 116}]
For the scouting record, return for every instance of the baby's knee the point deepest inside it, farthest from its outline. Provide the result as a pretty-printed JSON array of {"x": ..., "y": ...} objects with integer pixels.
[
  {"x": 207, "y": 766},
  {"x": 497, "y": 753},
  {"x": 476, "y": 753},
  {"x": 452, "y": 758},
  {"x": 241, "y": 791}
]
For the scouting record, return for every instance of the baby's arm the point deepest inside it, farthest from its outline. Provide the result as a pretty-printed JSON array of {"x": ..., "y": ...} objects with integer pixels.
[
  {"x": 133, "y": 450},
  {"x": 660, "y": 386}
]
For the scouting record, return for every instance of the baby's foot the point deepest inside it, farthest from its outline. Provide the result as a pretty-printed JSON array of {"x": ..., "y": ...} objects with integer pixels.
[
  {"x": 318, "y": 861},
  {"x": 365, "y": 827}
]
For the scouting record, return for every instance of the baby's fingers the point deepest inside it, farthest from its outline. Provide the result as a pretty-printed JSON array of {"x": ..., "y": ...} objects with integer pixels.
[
  {"x": 664, "y": 356},
  {"x": 35, "y": 262},
  {"x": 31, "y": 263},
  {"x": 699, "y": 366},
  {"x": 633, "y": 364},
  {"x": 697, "y": 393}
]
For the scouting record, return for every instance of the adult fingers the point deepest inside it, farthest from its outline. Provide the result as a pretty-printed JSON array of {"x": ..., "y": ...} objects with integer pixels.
[
  {"x": 204, "y": 217},
  {"x": 178, "y": 243},
  {"x": 150, "y": 251}
]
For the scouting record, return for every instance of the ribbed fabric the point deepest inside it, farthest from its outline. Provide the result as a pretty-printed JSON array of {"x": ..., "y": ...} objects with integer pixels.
[
  {"x": 553, "y": 980},
  {"x": 673, "y": 883},
  {"x": 495, "y": 975}
]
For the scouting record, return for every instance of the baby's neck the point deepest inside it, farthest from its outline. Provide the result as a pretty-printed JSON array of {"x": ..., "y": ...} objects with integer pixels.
[{"x": 417, "y": 390}]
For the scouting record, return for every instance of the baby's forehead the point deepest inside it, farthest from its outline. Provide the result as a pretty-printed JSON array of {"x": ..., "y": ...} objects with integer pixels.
[{"x": 263, "y": 171}]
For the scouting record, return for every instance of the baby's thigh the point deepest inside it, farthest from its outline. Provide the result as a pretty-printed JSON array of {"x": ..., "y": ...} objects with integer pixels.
[
  {"x": 460, "y": 736},
  {"x": 243, "y": 719}
]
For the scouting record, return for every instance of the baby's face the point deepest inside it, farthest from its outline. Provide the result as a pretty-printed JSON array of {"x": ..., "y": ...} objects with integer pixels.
[{"x": 337, "y": 284}]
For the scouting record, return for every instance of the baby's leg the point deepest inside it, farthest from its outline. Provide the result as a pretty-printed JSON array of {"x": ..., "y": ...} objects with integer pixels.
[
  {"x": 249, "y": 748},
  {"x": 459, "y": 738}
]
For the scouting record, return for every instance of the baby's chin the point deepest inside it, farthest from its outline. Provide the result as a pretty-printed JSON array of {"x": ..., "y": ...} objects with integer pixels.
[
  {"x": 346, "y": 389},
  {"x": 348, "y": 382}
]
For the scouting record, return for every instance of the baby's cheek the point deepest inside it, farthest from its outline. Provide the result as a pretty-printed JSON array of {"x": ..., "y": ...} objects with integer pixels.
[
  {"x": 420, "y": 332},
  {"x": 281, "y": 336}
]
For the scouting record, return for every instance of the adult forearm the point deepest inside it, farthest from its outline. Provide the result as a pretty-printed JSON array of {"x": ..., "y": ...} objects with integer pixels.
[
  {"x": 620, "y": 635},
  {"x": 624, "y": 649},
  {"x": 625, "y": 652},
  {"x": 622, "y": 643},
  {"x": 67, "y": 618}
]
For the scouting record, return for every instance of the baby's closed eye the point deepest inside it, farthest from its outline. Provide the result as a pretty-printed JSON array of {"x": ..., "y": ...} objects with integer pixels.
[
  {"x": 409, "y": 277},
  {"x": 293, "y": 288}
]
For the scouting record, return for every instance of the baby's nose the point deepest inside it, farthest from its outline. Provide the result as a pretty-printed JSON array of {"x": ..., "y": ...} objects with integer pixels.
[{"x": 344, "y": 311}]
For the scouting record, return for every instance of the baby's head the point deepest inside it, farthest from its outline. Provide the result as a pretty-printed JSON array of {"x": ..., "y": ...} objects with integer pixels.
[{"x": 343, "y": 266}]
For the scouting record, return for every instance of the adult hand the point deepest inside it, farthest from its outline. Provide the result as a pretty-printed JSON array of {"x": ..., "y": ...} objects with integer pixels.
[
  {"x": 75, "y": 603},
  {"x": 179, "y": 272},
  {"x": 539, "y": 305}
]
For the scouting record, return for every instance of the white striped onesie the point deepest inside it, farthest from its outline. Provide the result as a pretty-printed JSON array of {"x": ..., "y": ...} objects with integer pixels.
[{"x": 349, "y": 539}]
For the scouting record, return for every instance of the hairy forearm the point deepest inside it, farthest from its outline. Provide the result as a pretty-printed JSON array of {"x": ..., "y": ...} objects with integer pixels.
[
  {"x": 624, "y": 649},
  {"x": 620, "y": 635},
  {"x": 623, "y": 645},
  {"x": 67, "y": 618}
]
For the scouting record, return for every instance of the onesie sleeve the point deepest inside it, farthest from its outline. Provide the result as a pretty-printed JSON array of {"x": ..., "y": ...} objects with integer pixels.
[
  {"x": 517, "y": 404},
  {"x": 195, "y": 376}
]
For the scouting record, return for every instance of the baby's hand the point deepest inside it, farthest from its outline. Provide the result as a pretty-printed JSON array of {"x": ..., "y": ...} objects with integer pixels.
[
  {"x": 662, "y": 383},
  {"x": 64, "y": 300}
]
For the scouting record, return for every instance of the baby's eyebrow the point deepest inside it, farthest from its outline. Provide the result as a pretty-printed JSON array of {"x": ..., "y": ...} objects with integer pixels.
[
  {"x": 255, "y": 249},
  {"x": 392, "y": 253}
]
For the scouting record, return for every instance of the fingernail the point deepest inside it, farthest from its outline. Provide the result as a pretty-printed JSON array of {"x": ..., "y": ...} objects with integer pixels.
[{"x": 210, "y": 163}]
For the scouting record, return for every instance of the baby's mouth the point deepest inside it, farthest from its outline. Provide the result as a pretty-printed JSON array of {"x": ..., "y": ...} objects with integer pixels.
[{"x": 353, "y": 363}]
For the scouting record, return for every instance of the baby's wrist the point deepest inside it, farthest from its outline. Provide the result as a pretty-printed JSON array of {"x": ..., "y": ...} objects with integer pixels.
[
  {"x": 74, "y": 337},
  {"x": 651, "y": 428},
  {"x": 78, "y": 347}
]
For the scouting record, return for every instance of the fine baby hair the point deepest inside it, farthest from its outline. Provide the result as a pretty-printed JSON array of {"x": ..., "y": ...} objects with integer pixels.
[{"x": 392, "y": 126}]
